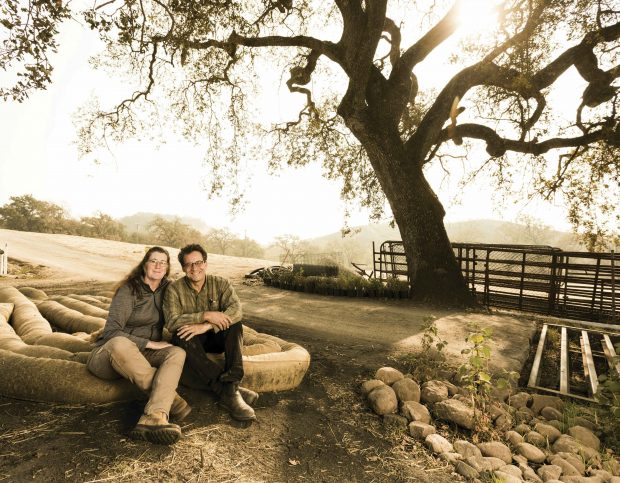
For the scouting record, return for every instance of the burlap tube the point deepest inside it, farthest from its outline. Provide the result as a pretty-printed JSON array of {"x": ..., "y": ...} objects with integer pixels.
[
  {"x": 69, "y": 320},
  {"x": 26, "y": 318},
  {"x": 82, "y": 307}
]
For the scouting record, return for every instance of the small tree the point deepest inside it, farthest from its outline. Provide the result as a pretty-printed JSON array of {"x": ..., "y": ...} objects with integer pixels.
[
  {"x": 220, "y": 240},
  {"x": 104, "y": 226},
  {"x": 174, "y": 233}
]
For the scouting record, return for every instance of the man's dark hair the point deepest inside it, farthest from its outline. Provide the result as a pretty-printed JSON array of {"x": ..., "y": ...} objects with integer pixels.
[{"x": 192, "y": 247}]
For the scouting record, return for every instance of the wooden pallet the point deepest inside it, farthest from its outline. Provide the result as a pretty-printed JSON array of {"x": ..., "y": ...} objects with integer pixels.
[{"x": 588, "y": 355}]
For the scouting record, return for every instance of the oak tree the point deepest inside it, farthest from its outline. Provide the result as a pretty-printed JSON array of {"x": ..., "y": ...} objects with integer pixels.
[{"x": 369, "y": 122}]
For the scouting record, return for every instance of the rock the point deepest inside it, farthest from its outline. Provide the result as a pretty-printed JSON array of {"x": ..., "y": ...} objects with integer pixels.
[
  {"x": 467, "y": 471},
  {"x": 566, "y": 444},
  {"x": 503, "y": 422},
  {"x": 535, "y": 438},
  {"x": 582, "y": 479},
  {"x": 524, "y": 415},
  {"x": 520, "y": 400},
  {"x": 556, "y": 424},
  {"x": 485, "y": 463},
  {"x": 496, "y": 450},
  {"x": 591, "y": 456},
  {"x": 452, "y": 458},
  {"x": 531, "y": 452},
  {"x": 574, "y": 460},
  {"x": 612, "y": 465},
  {"x": 606, "y": 476},
  {"x": 522, "y": 429},
  {"x": 513, "y": 438},
  {"x": 383, "y": 400},
  {"x": 433, "y": 392},
  {"x": 407, "y": 390},
  {"x": 456, "y": 412},
  {"x": 550, "y": 413},
  {"x": 540, "y": 401},
  {"x": 371, "y": 384},
  {"x": 581, "y": 421},
  {"x": 548, "y": 431},
  {"x": 520, "y": 460},
  {"x": 501, "y": 394},
  {"x": 466, "y": 449},
  {"x": 388, "y": 375},
  {"x": 529, "y": 474},
  {"x": 585, "y": 437},
  {"x": 495, "y": 411},
  {"x": 395, "y": 421},
  {"x": 507, "y": 477},
  {"x": 438, "y": 444},
  {"x": 549, "y": 472},
  {"x": 419, "y": 430},
  {"x": 511, "y": 470},
  {"x": 567, "y": 468},
  {"x": 452, "y": 389},
  {"x": 414, "y": 411}
]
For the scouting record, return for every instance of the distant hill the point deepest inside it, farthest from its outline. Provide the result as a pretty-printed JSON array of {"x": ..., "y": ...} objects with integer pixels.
[
  {"x": 139, "y": 222},
  {"x": 358, "y": 246}
]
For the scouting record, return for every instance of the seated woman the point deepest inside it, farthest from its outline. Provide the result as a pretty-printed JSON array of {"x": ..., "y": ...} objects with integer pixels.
[{"x": 131, "y": 346}]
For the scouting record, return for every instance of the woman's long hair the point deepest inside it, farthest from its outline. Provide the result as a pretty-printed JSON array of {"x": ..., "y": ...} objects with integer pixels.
[{"x": 135, "y": 278}]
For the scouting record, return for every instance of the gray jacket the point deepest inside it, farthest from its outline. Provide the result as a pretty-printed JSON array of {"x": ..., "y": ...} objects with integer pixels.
[{"x": 138, "y": 317}]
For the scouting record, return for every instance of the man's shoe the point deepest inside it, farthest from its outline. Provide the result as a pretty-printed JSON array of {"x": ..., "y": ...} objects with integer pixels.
[
  {"x": 156, "y": 429},
  {"x": 248, "y": 395},
  {"x": 179, "y": 409},
  {"x": 232, "y": 401}
]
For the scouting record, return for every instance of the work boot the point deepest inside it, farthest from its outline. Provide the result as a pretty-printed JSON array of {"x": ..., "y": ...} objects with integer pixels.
[
  {"x": 179, "y": 409},
  {"x": 231, "y": 400},
  {"x": 248, "y": 395},
  {"x": 156, "y": 429}
]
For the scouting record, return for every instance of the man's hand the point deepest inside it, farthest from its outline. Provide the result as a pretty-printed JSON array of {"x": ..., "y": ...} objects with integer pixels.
[
  {"x": 156, "y": 345},
  {"x": 186, "y": 332},
  {"x": 219, "y": 320}
]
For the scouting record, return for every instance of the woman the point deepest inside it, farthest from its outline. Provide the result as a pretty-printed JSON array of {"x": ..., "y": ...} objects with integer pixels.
[{"x": 131, "y": 346}]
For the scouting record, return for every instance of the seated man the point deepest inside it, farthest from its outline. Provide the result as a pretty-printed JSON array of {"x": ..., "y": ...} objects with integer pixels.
[{"x": 203, "y": 313}]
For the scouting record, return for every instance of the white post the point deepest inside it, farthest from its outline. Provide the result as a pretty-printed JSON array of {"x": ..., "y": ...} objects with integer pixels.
[{"x": 4, "y": 261}]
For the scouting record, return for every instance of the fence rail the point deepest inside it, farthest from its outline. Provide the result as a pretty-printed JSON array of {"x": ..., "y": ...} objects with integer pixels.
[{"x": 541, "y": 279}]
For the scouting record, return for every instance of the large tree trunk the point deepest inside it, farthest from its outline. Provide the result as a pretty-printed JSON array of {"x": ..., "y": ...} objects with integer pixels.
[{"x": 433, "y": 270}]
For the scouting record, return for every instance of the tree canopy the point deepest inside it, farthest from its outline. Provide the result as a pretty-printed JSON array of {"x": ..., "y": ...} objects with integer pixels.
[{"x": 369, "y": 122}]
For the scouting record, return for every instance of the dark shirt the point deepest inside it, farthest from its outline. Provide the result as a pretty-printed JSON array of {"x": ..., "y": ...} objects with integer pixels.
[{"x": 138, "y": 317}]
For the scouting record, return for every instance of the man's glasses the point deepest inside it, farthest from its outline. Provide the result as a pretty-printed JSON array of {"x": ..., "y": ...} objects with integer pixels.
[
  {"x": 158, "y": 263},
  {"x": 197, "y": 264}
]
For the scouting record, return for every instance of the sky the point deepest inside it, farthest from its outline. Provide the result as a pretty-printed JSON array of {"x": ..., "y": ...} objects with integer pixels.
[{"x": 38, "y": 156}]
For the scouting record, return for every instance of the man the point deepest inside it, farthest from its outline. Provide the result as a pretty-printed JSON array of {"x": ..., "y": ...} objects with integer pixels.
[{"x": 204, "y": 314}]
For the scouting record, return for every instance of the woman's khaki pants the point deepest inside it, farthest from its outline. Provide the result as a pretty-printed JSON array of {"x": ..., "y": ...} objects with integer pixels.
[{"x": 156, "y": 372}]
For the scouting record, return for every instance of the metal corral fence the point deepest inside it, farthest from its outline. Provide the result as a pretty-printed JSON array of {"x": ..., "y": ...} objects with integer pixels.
[{"x": 532, "y": 278}]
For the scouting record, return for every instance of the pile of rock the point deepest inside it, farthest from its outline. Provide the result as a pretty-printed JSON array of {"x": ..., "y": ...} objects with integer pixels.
[{"x": 536, "y": 444}]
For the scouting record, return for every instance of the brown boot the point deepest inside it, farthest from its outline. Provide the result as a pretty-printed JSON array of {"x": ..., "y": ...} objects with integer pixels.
[
  {"x": 179, "y": 409},
  {"x": 156, "y": 429},
  {"x": 232, "y": 401},
  {"x": 248, "y": 395}
]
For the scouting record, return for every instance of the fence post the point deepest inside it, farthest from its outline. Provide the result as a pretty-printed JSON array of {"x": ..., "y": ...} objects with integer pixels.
[{"x": 613, "y": 287}]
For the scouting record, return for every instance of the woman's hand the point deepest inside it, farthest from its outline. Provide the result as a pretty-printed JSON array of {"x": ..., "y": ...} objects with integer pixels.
[
  {"x": 188, "y": 331},
  {"x": 156, "y": 345}
]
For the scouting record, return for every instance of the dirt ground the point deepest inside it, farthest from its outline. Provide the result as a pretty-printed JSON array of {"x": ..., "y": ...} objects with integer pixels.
[{"x": 321, "y": 431}]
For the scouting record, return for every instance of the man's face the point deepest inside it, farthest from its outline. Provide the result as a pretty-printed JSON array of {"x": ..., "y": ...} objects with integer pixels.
[{"x": 194, "y": 266}]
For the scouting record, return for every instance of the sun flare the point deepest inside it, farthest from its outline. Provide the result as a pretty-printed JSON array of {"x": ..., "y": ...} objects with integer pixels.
[{"x": 478, "y": 16}]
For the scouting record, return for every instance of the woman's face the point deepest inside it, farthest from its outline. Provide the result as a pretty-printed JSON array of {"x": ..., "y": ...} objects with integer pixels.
[{"x": 156, "y": 266}]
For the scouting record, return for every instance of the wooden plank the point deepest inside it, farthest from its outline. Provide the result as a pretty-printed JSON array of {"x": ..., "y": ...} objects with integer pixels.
[
  {"x": 564, "y": 388},
  {"x": 588, "y": 362},
  {"x": 534, "y": 376},
  {"x": 610, "y": 352},
  {"x": 555, "y": 391}
]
